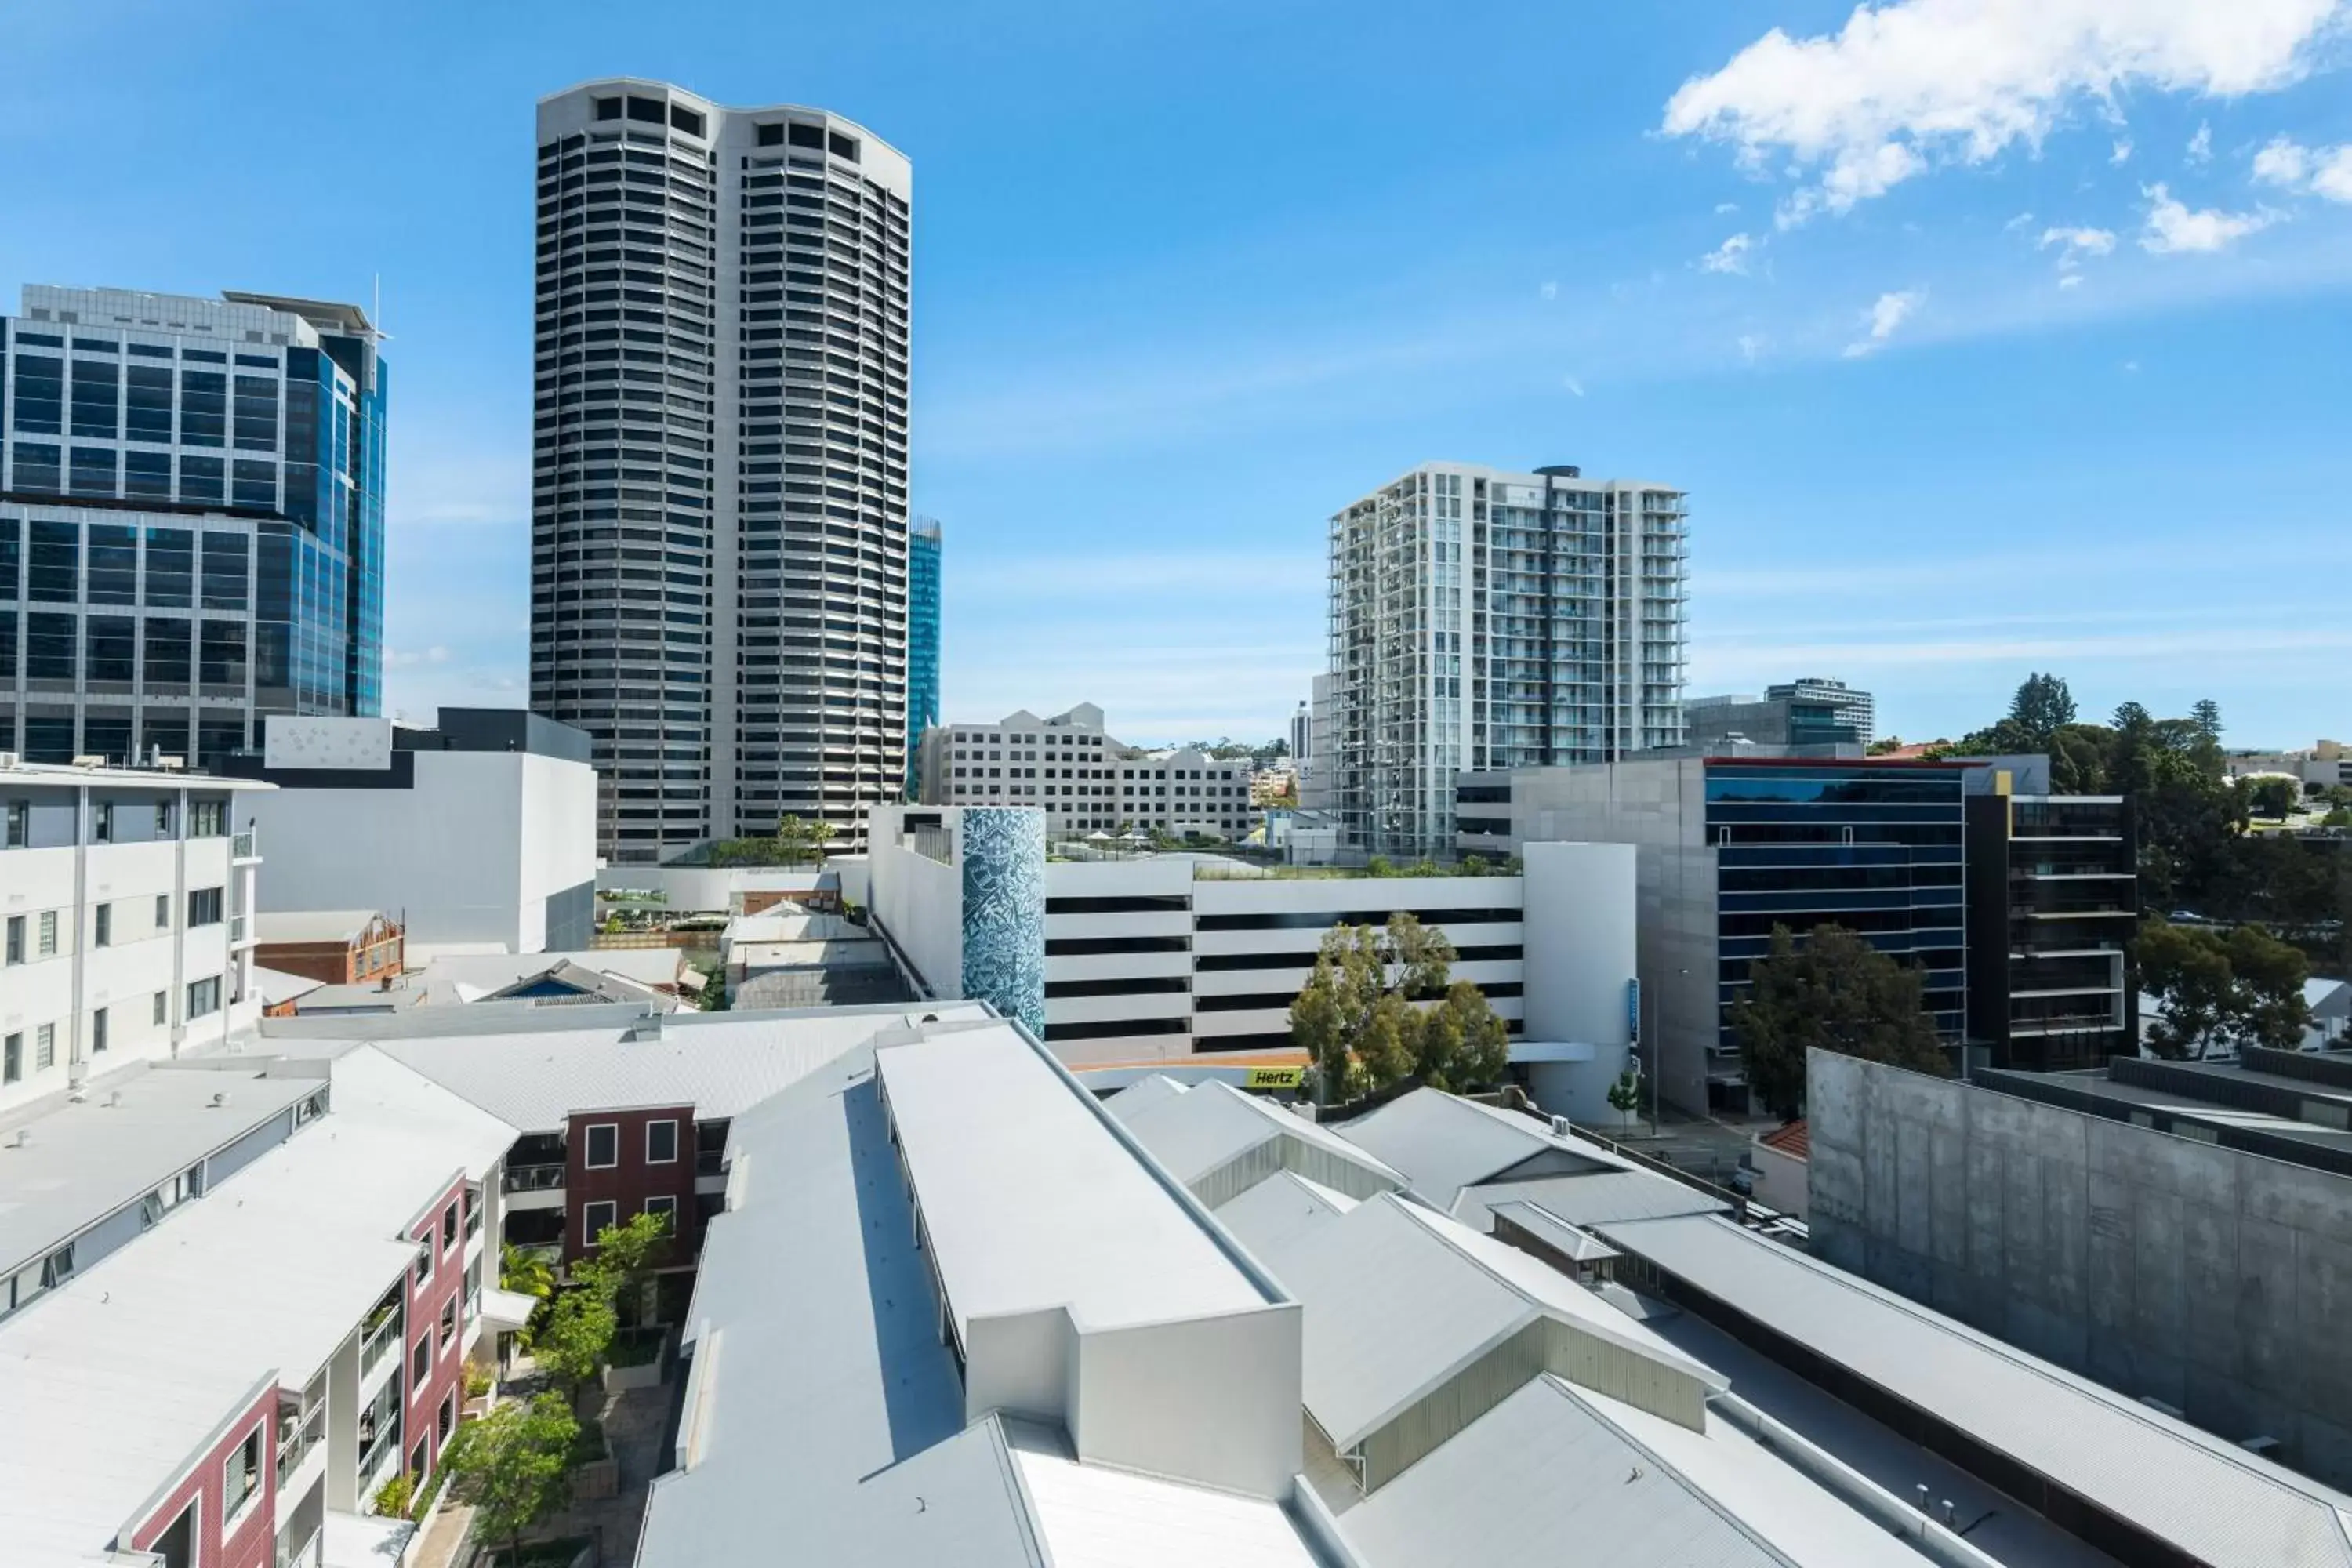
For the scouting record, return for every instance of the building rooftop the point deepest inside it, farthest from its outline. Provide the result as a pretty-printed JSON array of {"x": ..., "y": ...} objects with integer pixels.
[
  {"x": 275, "y": 926},
  {"x": 134, "y": 1363},
  {"x": 1193, "y": 1129},
  {"x": 2215, "y": 1503},
  {"x": 722, "y": 1064},
  {"x": 82, "y": 1160},
  {"x": 1002, "y": 1214},
  {"x": 31, "y": 773},
  {"x": 1445, "y": 1144}
]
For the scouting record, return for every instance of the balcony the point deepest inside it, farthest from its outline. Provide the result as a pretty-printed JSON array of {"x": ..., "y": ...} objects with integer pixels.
[
  {"x": 381, "y": 1338},
  {"x": 297, "y": 1435},
  {"x": 245, "y": 848},
  {"x": 531, "y": 1178}
]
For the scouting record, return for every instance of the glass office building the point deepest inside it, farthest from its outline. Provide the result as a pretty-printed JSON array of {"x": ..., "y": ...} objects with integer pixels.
[
  {"x": 922, "y": 642},
  {"x": 190, "y": 521}
]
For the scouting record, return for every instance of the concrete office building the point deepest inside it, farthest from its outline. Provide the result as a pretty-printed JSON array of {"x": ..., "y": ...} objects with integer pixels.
[
  {"x": 2180, "y": 1233},
  {"x": 718, "y": 512},
  {"x": 1115, "y": 788},
  {"x": 126, "y": 900},
  {"x": 1813, "y": 712},
  {"x": 1481, "y": 620},
  {"x": 1195, "y": 959},
  {"x": 924, "y": 560},
  {"x": 190, "y": 521},
  {"x": 1317, "y": 768},
  {"x": 477, "y": 834},
  {"x": 2015, "y": 904}
]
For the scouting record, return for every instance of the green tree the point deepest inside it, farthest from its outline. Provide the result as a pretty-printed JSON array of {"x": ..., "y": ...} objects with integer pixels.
[
  {"x": 1836, "y": 993},
  {"x": 2206, "y": 714},
  {"x": 513, "y": 1467},
  {"x": 2217, "y": 991},
  {"x": 2041, "y": 707},
  {"x": 1626, "y": 1094},
  {"x": 2270, "y": 796},
  {"x": 1361, "y": 1021},
  {"x": 577, "y": 1337},
  {"x": 624, "y": 1260},
  {"x": 527, "y": 1271},
  {"x": 796, "y": 841}
]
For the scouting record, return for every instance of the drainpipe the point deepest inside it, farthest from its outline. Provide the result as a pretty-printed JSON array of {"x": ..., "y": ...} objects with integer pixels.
[{"x": 77, "y": 1057}]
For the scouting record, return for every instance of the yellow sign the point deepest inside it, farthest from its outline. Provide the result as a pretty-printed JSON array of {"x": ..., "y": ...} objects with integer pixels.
[{"x": 1275, "y": 1077}]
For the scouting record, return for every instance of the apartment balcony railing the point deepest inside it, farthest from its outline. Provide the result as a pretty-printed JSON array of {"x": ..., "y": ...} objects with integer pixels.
[
  {"x": 387, "y": 1434},
  {"x": 305, "y": 1555},
  {"x": 295, "y": 1445},
  {"x": 474, "y": 1220},
  {"x": 382, "y": 1339},
  {"x": 531, "y": 1178},
  {"x": 244, "y": 846}
]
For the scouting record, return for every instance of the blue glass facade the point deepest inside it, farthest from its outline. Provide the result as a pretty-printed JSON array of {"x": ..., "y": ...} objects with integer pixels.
[
  {"x": 196, "y": 489},
  {"x": 922, "y": 642},
  {"x": 1876, "y": 848}
]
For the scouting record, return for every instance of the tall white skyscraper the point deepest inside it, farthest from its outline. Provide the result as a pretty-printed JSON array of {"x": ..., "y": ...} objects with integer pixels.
[
  {"x": 1487, "y": 620},
  {"x": 719, "y": 507}
]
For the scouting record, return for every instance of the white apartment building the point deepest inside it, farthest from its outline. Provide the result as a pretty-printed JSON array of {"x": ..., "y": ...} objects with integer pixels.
[
  {"x": 718, "y": 499},
  {"x": 125, "y": 900},
  {"x": 1483, "y": 619},
  {"x": 1085, "y": 781},
  {"x": 477, "y": 834}
]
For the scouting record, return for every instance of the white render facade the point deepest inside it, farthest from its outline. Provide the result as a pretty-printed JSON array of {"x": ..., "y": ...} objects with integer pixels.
[
  {"x": 1083, "y": 780},
  {"x": 125, "y": 904},
  {"x": 719, "y": 519},
  {"x": 1479, "y": 617}
]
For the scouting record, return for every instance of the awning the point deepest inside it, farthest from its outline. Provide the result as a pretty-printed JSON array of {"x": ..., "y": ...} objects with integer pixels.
[{"x": 506, "y": 1311}]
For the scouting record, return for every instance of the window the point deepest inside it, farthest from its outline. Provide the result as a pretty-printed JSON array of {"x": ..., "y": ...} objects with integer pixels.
[
  {"x": 208, "y": 819},
  {"x": 423, "y": 1266},
  {"x": 98, "y": 1030},
  {"x": 58, "y": 1267},
  {"x": 242, "y": 1479},
  {"x": 101, "y": 925},
  {"x": 20, "y": 823},
  {"x": 162, "y": 1006},
  {"x": 101, "y": 821},
  {"x": 666, "y": 1207},
  {"x": 16, "y": 939},
  {"x": 163, "y": 819},
  {"x": 661, "y": 1142},
  {"x": 204, "y": 998},
  {"x": 12, "y": 1059},
  {"x": 420, "y": 1361},
  {"x": 448, "y": 1322},
  {"x": 46, "y": 947},
  {"x": 449, "y": 1227},
  {"x": 446, "y": 1421},
  {"x": 162, "y": 911},
  {"x": 203, "y": 906},
  {"x": 603, "y": 1146},
  {"x": 596, "y": 1218}
]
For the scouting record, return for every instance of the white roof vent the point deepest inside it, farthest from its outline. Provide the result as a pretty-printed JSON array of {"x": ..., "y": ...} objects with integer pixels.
[{"x": 89, "y": 762}]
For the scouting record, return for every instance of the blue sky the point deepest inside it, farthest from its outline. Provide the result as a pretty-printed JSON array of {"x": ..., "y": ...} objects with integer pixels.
[{"x": 2035, "y": 353}]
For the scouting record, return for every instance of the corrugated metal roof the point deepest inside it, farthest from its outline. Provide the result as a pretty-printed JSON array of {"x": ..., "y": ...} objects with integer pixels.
[
  {"x": 1192, "y": 1130},
  {"x": 1553, "y": 1464},
  {"x": 1142, "y": 1093},
  {"x": 1443, "y": 1143},
  {"x": 1594, "y": 1198},
  {"x": 2214, "y": 1501},
  {"x": 1062, "y": 1215},
  {"x": 1092, "y": 1515},
  {"x": 1272, "y": 1216},
  {"x": 1575, "y": 1245}
]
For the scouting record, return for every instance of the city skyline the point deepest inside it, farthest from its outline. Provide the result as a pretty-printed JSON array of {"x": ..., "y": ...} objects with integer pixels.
[{"x": 1921, "y": 390}]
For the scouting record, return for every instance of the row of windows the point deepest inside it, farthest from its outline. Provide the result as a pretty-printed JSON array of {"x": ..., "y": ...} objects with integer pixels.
[
  {"x": 35, "y": 1051},
  {"x": 603, "y": 1150},
  {"x": 113, "y": 649},
  {"x": 108, "y": 400},
  {"x": 41, "y": 469}
]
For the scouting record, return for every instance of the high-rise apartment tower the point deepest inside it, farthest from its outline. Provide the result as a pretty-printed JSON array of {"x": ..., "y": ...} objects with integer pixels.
[
  {"x": 190, "y": 521},
  {"x": 719, "y": 504},
  {"x": 1484, "y": 620}
]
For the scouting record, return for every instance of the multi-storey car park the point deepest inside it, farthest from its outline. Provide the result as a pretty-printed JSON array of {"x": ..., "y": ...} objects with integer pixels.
[{"x": 720, "y": 525}]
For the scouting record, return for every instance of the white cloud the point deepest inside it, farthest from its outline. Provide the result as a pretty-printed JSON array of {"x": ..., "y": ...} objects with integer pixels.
[
  {"x": 2173, "y": 227},
  {"x": 2323, "y": 171},
  {"x": 1967, "y": 79},
  {"x": 1721, "y": 208},
  {"x": 1890, "y": 311},
  {"x": 1549, "y": 291},
  {"x": 1750, "y": 345},
  {"x": 2201, "y": 146},
  {"x": 403, "y": 659},
  {"x": 1573, "y": 384},
  {"x": 1730, "y": 256},
  {"x": 2022, "y": 220},
  {"x": 2123, "y": 150},
  {"x": 2070, "y": 281},
  {"x": 2075, "y": 244}
]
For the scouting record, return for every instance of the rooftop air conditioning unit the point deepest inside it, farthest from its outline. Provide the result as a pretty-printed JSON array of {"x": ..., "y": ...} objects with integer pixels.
[
  {"x": 11, "y": 759},
  {"x": 1559, "y": 1126},
  {"x": 89, "y": 762},
  {"x": 172, "y": 764}
]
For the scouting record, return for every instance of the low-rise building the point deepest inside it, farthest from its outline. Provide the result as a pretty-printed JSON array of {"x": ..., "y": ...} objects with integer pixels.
[
  {"x": 334, "y": 947},
  {"x": 480, "y": 834},
  {"x": 126, "y": 899},
  {"x": 1083, "y": 780}
]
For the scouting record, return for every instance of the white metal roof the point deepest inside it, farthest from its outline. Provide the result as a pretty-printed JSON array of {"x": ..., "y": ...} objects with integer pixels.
[
  {"x": 1062, "y": 1217},
  {"x": 1399, "y": 1298},
  {"x": 134, "y": 1362},
  {"x": 1553, "y": 1463},
  {"x": 1272, "y": 1216},
  {"x": 1142, "y": 1093},
  {"x": 1595, "y": 1197},
  {"x": 722, "y": 1064},
  {"x": 1197, "y": 1128},
  {"x": 272, "y": 926},
  {"x": 1443, "y": 1143},
  {"x": 1095, "y": 1515},
  {"x": 275, "y": 986},
  {"x": 2215, "y": 1501},
  {"x": 134, "y": 1133},
  {"x": 1576, "y": 1245}
]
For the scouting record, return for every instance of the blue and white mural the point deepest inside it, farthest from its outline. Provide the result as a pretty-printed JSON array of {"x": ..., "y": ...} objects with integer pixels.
[{"x": 1003, "y": 855}]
